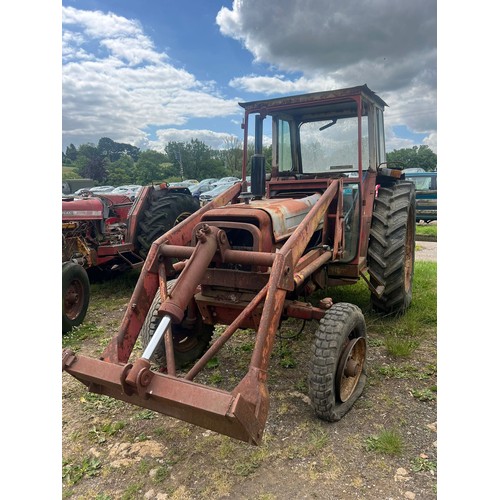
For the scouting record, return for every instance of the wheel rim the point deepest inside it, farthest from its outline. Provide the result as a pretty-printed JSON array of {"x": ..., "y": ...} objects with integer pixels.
[
  {"x": 181, "y": 217},
  {"x": 184, "y": 343},
  {"x": 350, "y": 368},
  {"x": 73, "y": 299}
]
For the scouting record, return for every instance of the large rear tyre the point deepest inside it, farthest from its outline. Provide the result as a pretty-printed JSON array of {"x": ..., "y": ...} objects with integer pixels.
[
  {"x": 337, "y": 370},
  {"x": 189, "y": 343},
  {"x": 75, "y": 295},
  {"x": 391, "y": 250},
  {"x": 162, "y": 214}
]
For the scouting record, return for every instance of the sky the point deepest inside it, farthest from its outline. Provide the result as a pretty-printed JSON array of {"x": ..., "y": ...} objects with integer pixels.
[{"x": 146, "y": 73}]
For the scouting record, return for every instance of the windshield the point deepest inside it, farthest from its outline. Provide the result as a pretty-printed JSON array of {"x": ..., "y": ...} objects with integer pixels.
[{"x": 332, "y": 145}]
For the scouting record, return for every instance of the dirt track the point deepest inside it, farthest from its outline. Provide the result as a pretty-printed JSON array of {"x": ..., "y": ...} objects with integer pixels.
[{"x": 426, "y": 250}]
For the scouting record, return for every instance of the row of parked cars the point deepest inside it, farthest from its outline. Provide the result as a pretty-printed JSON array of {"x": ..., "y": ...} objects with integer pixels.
[
  {"x": 204, "y": 190},
  {"x": 207, "y": 189},
  {"x": 128, "y": 190}
]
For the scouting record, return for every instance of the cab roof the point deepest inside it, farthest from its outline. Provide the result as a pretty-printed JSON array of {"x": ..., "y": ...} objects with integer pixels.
[{"x": 311, "y": 99}]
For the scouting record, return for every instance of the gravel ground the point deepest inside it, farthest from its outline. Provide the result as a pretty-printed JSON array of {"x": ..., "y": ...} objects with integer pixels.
[{"x": 426, "y": 250}]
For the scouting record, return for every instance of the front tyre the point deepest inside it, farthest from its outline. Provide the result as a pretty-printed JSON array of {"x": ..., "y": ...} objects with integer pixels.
[
  {"x": 75, "y": 295},
  {"x": 190, "y": 343},
  {"x": 337, "y": 370}
]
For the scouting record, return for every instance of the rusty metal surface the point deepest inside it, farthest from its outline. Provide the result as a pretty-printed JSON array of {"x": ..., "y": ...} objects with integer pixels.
[
  {"x": 233, "y": 213},
  {"x": 206, "y": 407},
  {"x": 226, "y": 335},
  {"x": 317, "y": 98},
  {"x": 190, "y": 277}
]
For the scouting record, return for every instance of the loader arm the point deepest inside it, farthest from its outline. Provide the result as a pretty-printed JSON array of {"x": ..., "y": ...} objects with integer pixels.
[{"x": 120, "y": 346}]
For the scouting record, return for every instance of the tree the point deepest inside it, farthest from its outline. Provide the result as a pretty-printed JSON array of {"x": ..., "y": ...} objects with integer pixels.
[
  {"x": 112, "y": 150},
  {"x": 196, "y": 159},
  {"x": 232, "y": 155},
  {"x": 151, "y": 167},
  {"x": 417, "y": 156},
  {"x": 70, "y": 155},
  {"x": 267, "y": 151},
  {"x": 122, "y": 171},
  {"x": 90, "y": 164}
]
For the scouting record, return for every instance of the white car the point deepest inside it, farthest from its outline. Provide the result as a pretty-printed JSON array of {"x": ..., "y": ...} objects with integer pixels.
[
  {"x": 224, "y": 180},
  {"x": 216, "y": 191},
  {"x": 130, "y": 190},
  {"x": 102, "y": 189}
]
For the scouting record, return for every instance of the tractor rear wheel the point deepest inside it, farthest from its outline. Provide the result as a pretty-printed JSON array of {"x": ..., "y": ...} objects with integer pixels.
[
  {"x": 337, "y": 371},
  {"x": 189, "y": 343},
  {"x": 75, "y": 295},
  {"x": 161, "y": 215},
  {"x": 391, "y": 250}
]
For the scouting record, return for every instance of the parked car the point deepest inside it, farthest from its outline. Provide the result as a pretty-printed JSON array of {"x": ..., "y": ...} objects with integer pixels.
[
  {"x": 216, "y": 191},
  {"x": 102, "y": 189},
  {"x": 426, "y": 193},
  {"x": 211, "y": 180},
  {"x": 186, "y": 183},
  {"x": 128, "y": 190},
  {"x": 82, "y": 192},
  {"x": 226, "y": 179},
  {"x": 198, "y": 189}
]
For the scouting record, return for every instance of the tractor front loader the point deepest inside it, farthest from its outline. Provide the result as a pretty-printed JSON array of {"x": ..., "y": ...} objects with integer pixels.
[{"x": 331, "y": 213}]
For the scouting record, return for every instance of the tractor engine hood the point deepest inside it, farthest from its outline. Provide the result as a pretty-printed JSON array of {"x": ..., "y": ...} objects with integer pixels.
[
  {"x": 285, "y": 213},
  {"x": 82, "y": 209}
]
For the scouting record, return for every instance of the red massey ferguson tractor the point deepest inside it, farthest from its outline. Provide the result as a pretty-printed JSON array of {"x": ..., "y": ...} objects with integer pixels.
[
  {"x": 110, "y": 233},
  {"x": 331, "y": 213}
]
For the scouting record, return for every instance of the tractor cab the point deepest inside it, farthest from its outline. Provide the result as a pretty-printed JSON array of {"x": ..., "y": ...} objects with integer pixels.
[{"x": 317, "y": 138}]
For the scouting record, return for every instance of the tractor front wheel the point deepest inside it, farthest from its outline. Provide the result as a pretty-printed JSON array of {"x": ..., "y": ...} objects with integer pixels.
[
  {"x": 190, "y": 343},
  {"x": 337, "y": 372},
  {"x": 75, "y": 295}
]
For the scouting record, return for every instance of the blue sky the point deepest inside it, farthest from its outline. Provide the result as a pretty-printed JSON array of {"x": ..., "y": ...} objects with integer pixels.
[{"x": 146, "y": 73}]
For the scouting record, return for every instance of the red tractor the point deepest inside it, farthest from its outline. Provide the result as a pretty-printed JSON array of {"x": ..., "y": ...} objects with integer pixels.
[
  {"x": 331, "y": 214},
  {"x": 110, "y": 233}
]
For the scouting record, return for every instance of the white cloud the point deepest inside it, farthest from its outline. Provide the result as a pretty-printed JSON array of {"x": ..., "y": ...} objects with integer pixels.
[
  {"x": 115, "y": 84},
  {"x": 323, "y": 44}
]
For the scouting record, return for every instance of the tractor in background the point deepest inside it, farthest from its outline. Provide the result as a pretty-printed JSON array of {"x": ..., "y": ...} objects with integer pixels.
[{"x": 109, "y": 233}]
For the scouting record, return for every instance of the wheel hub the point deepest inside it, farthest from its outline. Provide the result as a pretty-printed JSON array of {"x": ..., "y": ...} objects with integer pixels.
[
  {"x": 73, "y": 299},
  {"x": 350, "y": 368}
]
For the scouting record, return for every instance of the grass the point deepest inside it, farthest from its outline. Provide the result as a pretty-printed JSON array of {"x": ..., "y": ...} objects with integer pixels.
[
  {"x": 404, "y": 330},
  {"x": 74, "y": 472},
  {"x": 387, "y": 441},
  {"x": 427, "y": 394},
  {"x": 101, "y": 434},
  {"x": 427, "y": 230},
  {"x": 421, "y": 464},
  {"x": 85, "y": 331},
  {"x": 400, "y": 347}
]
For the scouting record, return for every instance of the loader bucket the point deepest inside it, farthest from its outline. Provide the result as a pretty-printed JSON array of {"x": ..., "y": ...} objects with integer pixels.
[{"x": 207, "y": 407}]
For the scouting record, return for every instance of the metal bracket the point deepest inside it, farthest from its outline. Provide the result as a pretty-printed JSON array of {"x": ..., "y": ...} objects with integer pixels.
[{"x": 379, "y": 290}]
